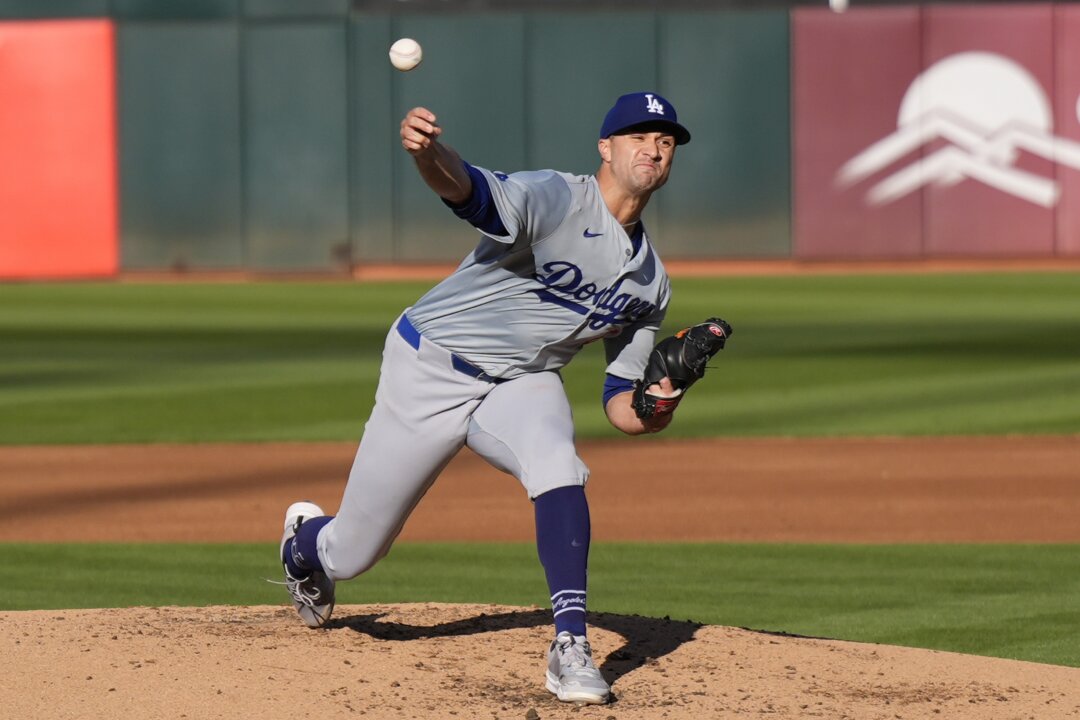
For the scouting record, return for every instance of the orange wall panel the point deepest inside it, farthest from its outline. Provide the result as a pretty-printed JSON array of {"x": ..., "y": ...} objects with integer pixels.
[{"x": 58, "y": 185}]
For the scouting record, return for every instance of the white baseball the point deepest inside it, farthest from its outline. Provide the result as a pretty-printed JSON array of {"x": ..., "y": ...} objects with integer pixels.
[{"x": 405, "y": 54}]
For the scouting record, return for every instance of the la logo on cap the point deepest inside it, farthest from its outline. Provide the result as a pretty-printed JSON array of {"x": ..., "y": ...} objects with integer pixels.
[{"x": 653, "y": 105}]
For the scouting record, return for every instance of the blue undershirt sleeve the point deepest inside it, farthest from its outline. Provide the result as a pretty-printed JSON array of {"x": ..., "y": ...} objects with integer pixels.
[
  {"x": 614, "y": 385},
  {"x": 479, "y": 210}
]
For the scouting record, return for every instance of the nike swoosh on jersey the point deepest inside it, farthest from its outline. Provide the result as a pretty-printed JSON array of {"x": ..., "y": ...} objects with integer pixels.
[{"x": 589, "y": 234}]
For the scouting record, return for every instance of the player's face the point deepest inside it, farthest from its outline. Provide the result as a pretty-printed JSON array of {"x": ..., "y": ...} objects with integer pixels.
[{"x": 641, "y": 161}]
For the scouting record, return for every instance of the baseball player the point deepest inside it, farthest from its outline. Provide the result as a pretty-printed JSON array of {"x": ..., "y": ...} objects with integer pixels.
[{"x": 562, "y": 261}]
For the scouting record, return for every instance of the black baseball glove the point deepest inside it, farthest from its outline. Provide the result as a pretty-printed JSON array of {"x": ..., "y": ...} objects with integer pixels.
[{"x": 682, "y": 358}]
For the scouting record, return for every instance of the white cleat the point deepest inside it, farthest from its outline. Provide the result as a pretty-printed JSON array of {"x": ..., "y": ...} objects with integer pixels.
[
  {"x": 312, "y": 596},
  {"x": 571, "y": 673}
]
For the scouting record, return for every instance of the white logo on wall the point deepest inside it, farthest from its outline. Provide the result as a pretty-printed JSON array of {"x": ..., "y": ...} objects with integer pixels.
[
  {"x": 988, "y": 109},
  {"x": 654, "y": 105}
]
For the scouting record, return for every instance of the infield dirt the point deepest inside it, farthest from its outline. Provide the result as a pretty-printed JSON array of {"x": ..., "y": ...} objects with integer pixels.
[{"x": 457, "y": 661}]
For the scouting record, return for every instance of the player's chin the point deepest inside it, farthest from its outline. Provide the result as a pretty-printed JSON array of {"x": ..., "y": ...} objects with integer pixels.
[
  {"x": 650, "y": 179},
  {"x": 647, "y": 185}
]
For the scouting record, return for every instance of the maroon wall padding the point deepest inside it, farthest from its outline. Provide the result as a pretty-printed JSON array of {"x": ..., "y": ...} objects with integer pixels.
[
  {"x": 970, "y": 218},
  {"x": 950, "y": 131},
  {"x": 1067, "y": 121},
  {"x": 848, "y": 74}
]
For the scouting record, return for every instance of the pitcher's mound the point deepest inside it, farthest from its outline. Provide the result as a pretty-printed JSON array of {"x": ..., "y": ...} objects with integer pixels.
[{"x": 481, "y": 661}]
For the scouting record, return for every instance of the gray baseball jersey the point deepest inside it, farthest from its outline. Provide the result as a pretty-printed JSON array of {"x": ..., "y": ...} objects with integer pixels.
[
  {"x": 467, "y": 364},
  {"x": 564, "y": 274}
]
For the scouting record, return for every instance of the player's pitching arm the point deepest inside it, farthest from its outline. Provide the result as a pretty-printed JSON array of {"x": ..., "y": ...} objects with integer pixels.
[{"x": 440, "y": 166}]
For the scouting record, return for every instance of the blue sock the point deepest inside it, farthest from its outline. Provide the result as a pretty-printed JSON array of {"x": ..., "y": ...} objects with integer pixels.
[
  {"x": 562, "y": 541},
  {"x": 301, "y": 553}
]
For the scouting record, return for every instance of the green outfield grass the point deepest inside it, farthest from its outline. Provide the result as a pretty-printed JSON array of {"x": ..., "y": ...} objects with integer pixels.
[
  {"x": 1011, "y": 601},
  {"x": 812, "y": 355}
]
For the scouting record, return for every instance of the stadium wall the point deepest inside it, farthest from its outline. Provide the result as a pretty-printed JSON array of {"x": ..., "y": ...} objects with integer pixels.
[{"x": 261, "y": 134}]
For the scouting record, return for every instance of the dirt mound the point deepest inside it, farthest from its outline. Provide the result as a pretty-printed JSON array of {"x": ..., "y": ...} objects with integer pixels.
[{"x": 482, "y": 661}]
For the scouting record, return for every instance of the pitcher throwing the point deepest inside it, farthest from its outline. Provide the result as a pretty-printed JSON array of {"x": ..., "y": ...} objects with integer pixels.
[{"x": 562, "y": 260}]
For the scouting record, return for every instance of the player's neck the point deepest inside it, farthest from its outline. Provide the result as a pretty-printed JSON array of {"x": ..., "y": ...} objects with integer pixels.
[{"x": 625, "y": 206}]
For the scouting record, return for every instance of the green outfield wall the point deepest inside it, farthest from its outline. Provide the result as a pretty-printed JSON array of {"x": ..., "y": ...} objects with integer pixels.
[{"x": 262, "y": 134}]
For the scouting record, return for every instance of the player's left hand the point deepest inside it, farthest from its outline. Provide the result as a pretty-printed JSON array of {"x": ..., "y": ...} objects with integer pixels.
[
  {"x": 662, "y": 389},
  {"x": 680, "y": 361}
]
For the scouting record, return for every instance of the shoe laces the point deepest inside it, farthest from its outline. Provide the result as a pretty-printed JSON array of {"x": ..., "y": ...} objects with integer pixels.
[
  {"x": 302, "y": 590},
  {"x": 574, "y": 653}
]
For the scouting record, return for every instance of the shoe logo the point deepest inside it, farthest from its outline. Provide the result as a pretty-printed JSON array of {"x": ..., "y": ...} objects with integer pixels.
[
  {"x": 575, "y": 543},
  {"x": 590, "y": 235}
]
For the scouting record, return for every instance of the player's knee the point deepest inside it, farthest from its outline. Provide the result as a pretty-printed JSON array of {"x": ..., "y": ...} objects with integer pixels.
[{"x": 572, "y": 472}]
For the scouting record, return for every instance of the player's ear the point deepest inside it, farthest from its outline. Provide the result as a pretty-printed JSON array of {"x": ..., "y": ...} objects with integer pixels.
[{"x": 604, "y": 146}]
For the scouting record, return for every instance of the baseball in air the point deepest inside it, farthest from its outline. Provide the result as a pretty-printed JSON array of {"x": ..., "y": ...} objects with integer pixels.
[{"x": 405, "y": 54}]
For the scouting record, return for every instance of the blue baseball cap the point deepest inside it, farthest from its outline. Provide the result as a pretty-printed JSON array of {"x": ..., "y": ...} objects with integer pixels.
[{"x": 643, "y": 109}]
